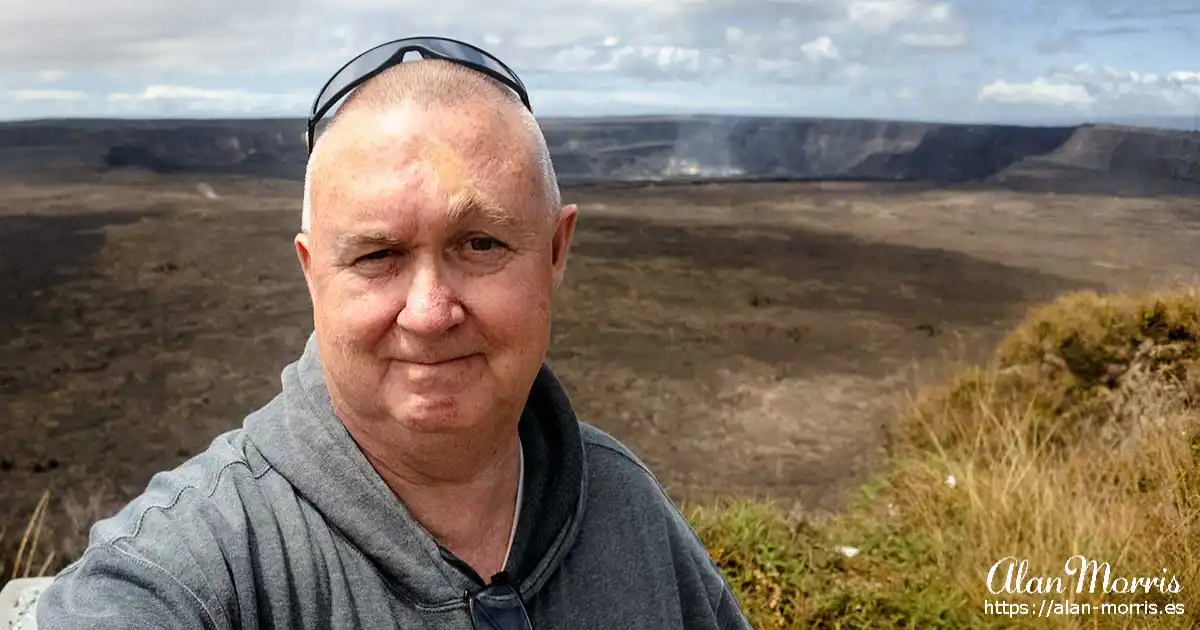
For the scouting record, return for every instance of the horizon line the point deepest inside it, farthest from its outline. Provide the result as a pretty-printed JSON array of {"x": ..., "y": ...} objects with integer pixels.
[{"x": 1120, "y": 120}]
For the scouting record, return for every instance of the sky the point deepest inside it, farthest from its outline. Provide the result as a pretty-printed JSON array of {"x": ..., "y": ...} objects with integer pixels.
[{"x": 978, "y": 61}]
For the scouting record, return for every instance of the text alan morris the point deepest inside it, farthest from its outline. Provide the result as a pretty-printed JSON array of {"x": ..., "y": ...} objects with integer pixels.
[{"x": 1086, "y": 575}]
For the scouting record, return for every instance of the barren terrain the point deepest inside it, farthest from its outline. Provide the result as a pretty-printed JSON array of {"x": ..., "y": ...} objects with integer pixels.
[{"x": 742, "y": 338}]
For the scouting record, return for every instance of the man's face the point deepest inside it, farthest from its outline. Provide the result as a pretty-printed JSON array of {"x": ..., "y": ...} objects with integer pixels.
[{"x": 431, "y": 261}]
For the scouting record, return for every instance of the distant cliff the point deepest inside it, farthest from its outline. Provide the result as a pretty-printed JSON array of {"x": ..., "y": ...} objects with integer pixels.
[
  {"x": 656, "y": 149},
  {"x": 271, "y": 148}
]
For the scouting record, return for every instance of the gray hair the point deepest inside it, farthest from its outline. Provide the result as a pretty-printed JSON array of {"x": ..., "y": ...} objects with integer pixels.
[{"x": 436, "y": 83}]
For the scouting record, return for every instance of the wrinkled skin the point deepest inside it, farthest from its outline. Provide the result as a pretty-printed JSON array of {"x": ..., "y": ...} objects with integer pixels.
[{"x": 431, "y": 262}]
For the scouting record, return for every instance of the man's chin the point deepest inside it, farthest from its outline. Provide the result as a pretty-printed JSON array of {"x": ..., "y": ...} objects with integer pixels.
[
  {"x": 431, "y": 412},
  {"x": 440, "y": 396}
]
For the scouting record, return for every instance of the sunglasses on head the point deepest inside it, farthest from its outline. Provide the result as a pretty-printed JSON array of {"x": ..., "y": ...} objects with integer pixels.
[{"x": 374, "y": 61}]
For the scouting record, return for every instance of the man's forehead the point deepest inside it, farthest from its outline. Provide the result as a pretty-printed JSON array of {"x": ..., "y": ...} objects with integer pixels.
[
  {"x": 460, "y": 151},
  {"x": 406, "y": 128},
  {"x": 371, "y": 149},
  {"x": 452, "y": 172},
  {"x": 409, "y": 166}
]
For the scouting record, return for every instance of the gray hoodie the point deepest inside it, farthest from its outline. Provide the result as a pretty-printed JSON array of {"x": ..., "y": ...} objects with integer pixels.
[{"x": 284, "y": 524}]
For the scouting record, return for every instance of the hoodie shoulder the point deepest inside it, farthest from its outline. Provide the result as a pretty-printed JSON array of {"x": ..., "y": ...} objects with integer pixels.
[
  {"x": 596, "y": 440},
  {"x": 166, "y": 553},
  {"x": 632, "y": 505},
  {"x": 613, "y": 470},
  {"x": 202, "y": 488}
]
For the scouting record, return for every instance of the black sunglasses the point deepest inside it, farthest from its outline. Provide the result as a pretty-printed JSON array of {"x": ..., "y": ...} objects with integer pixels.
[
  {"x": 498, "y": 607},
  {"x": 370, "y": 63}
]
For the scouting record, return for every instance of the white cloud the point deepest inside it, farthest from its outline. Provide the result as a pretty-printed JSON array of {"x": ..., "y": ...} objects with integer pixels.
[
  {"x": 820, "y": 49},
  {"x": 51, "y": 76},
  {"x": 934, "y": 40},
  {"x": 854, "y": 71},
  {"x": 1037, "y": 92},
  {"x": 135, "y": 57},
  {"x": 647, "y": 60},
  {"x": 315, "y": 35},
  {"x": 675, "y": 100},
  {"x": 47, "y": 95},
  {"x": 186, "y": 98},
  {"x": 880, "y": 16},
  {"x": 1104, "y": 88},
  {"x": 1182, "y": 78},
  {"x": 913, "y": 23}
]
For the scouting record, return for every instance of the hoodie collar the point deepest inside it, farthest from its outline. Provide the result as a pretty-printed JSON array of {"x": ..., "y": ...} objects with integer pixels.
[{"x": 309, "y": 446}]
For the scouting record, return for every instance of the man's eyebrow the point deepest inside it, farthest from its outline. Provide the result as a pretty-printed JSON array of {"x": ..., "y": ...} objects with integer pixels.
[
  {"x": 474, "y": 205},
  {"x": 465, "y": 207},
  {"x": 363, "y": 239}
]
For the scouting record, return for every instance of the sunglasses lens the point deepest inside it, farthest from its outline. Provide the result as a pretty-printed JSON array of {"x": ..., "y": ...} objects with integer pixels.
[
  {"x": 470, "y": 54},
  {"x": 358, "y": 68},
  {"x": 372, "y": 60},
  {"x": 502, "y": 611}
]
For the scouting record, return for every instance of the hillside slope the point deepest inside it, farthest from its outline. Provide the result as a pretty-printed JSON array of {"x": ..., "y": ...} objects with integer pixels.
[{"x": 657, "y": 148}]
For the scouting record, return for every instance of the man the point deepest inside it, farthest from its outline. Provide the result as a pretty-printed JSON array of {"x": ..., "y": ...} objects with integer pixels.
[{"x": 421, "y": 467}]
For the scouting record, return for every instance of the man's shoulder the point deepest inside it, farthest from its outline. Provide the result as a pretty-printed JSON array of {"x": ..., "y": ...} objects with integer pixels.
[
  {"x": 627, "y": 491},
  {"x": 207, "y": 489},
  {"x": 612, "y": 456},
  {"x": 614, "y": 470},
  {"x": 634, "y": 506},
  {"x": 171, "y": 545}
]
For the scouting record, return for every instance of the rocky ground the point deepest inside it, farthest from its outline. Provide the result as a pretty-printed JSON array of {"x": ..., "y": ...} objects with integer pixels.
[{"x": 743, "y": 339}]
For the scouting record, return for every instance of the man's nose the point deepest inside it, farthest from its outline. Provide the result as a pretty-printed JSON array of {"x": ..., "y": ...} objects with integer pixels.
[{"x": 431, "y": 306}]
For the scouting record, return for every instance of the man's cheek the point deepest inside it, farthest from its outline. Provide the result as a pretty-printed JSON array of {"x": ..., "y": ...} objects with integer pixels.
[
  {"x": 365, "y": 314},
  {"x": 511, "y": 306}
]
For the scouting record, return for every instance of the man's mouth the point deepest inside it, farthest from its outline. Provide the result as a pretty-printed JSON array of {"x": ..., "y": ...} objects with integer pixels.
[{"x": 436, "y": 362}]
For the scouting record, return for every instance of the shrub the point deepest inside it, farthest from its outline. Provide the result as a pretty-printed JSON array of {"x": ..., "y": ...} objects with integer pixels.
[{"x": 1081, "y": 436}]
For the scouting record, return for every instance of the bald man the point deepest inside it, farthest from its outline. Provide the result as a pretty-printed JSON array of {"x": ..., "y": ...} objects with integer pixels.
[{"x": 421, "y": 467}]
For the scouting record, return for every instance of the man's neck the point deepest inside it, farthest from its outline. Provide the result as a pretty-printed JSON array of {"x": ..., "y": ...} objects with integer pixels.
[{"x": 461, "y": 489}]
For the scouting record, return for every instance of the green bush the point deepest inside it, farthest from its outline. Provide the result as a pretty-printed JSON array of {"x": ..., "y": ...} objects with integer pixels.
[{"x": 1080, "y": 436}]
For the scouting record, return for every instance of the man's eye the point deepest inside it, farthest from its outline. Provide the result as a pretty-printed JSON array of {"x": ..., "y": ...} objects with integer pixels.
[
  {"x": 375, "y": 256},
  {"x": 483, "y": 244}
]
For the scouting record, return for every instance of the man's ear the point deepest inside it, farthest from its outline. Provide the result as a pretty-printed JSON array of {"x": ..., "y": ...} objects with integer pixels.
[
  {"x": 304, "y": 254},
  {"x": 564, "y": 233}
]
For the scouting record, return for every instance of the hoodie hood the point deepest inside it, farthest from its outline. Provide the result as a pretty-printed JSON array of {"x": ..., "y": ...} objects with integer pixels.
[{"x": 308, "y": 445}]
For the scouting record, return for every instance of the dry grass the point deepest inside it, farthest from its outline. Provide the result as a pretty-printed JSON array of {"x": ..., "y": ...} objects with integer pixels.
[
  {"x": 43, "y": 548},
  {"x": 29, "y": 551},
  {"x": 1080, "y": 438}
]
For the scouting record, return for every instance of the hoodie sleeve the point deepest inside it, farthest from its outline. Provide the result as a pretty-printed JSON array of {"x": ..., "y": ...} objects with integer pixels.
[
  {"x": 697, "y": 574},
  {"x": 112, "y": 587},
  {"x": 729, "y": 612}
]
